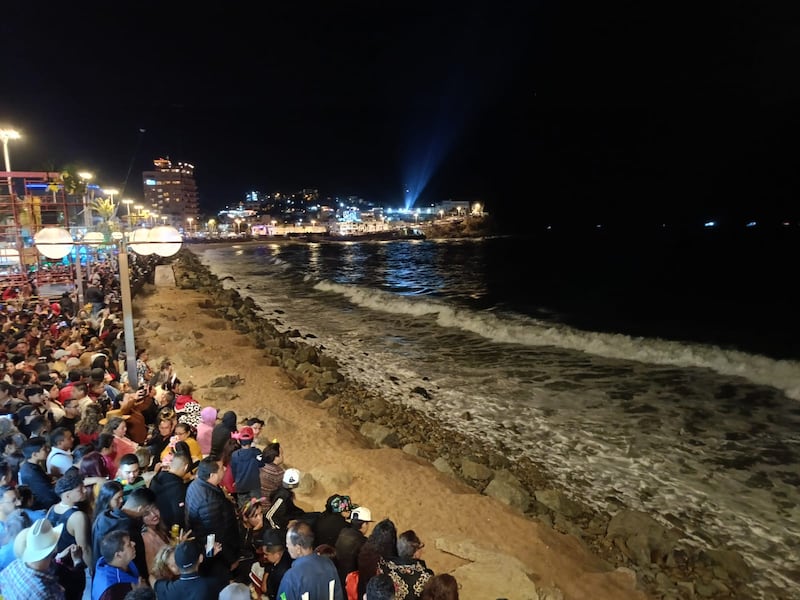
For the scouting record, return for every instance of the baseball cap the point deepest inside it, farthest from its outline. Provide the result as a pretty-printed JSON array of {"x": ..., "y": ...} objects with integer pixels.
[
  {"x": 291, "y": 478},
  {"x": 273, "y": 538},
  {"x": 362, "y": 513},
  {"x": 187, "y": 554},
  {"x": 246, "y": 433}
]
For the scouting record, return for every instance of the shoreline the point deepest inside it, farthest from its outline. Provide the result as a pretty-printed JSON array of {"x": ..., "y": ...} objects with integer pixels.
[{"x": 613, "y": 544}]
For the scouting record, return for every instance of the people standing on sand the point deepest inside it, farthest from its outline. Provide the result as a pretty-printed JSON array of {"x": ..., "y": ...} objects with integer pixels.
[
  {"x": 271, "y": 473},
  {"x": 208, "y": 419},
  {"x": 440, "y": 587},
  {"x": 282, "y": 508},
  {"x": 245, "y": 465},
  {"x": 311, "y": 575},
  {"x": 381, "y": 587},
  {"x": 407, "y": 570},
  {"x": 222, "y": 432},
  {"x": 276, "y": 562},
  {"x": 257, "y": 425},
  {"x": 170, "y": 489},
  {"x": 187, "y": 409},
  {"x": 350, "y": 541},
  {"x": 333, "y": 519}
]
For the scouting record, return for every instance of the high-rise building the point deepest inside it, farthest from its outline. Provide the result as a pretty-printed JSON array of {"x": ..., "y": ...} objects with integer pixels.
[{"x": 170, "y": 192}]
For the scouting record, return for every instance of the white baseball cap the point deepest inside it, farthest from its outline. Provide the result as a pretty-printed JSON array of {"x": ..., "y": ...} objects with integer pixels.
[
  {"x": 362, "y": 513},
  {"x": 291, "y": 478}
]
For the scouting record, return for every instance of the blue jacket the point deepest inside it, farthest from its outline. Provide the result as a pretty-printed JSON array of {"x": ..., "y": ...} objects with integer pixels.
[
  {"x": 105, "y": 576},
  {"x": 313, "y": 574},
  {"x": 245, "y": 465}
]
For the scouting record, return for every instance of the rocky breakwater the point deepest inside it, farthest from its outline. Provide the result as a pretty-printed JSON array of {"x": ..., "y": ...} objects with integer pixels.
[{"x": 665, "y": 564}]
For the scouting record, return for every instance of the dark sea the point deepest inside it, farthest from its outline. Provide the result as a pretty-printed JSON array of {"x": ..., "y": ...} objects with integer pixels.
[{"x": 658, "y": 368}]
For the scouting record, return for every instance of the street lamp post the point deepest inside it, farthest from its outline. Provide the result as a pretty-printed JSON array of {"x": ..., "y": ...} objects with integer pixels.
[
  {"x": 6, "y": 135},
  {"x": 56, "y": 242},
  {"x": 128, "y": 202},
  {"x": 87, "y": 211}
]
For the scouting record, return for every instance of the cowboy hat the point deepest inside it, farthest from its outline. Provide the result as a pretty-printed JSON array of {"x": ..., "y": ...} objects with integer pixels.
[{"x": 41, "y": 540}]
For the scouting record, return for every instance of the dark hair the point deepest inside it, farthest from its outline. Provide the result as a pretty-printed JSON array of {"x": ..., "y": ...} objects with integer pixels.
[
  {"x": 300, "y": 534},
  {"x": 80, "y": 451},
  {"x": 57, "y": 435},
  {"x": 107, "y": 491},
  {"x": 253, "y": 420},
  {"x": 33, "y": 445},
  {"x": 326, "y": 550},
  {"x": 440, "y": 587},
  {"x": 384, "y": 536},
  {"x": 368, "y": 560},
  {"x": 141, "y": 593},
  {"x": 113, "y": 542},
  {"x": 129, "y": 459},
  {"x": 93, "y": 465},
  {"x": 105, "y": 440},
  {"x": 207, "y": 467},
  {"x": 271, "y": 452},
  {"x": 380, "y": 587},
  {"x": 142, "y": 496},
  {"x": 408, "y": 543}
]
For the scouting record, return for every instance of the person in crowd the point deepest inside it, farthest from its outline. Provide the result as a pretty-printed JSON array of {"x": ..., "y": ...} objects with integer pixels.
[
  {"x": 94, "y": 471},
  {"x": 105, "y": 446},
  {"x": 381, "y": 587},
  {"x": 440, "y": 587},
  {"x": 164, "y": 566},
  {"x": 31, "y": 575},
  {"x": 155, "y": 534},
  {"x": 13, "y": 456},
  {"x": 158, "y": 441},
  {"x": 170, "y": 486},
  {"x": 88, "y": 428},
  {"x": 122, "y": 445},
  {"x": 235, "y": 591},
  {"x": 275, "y": 562},
  {"x": 222, "y": 433},
  {"x": 59, "y": 459},
  {"x": 32, "y": 474},
  {"x": 166, "y": 378},
  {"x": 245, "y": 465},
  {"x": 140, "y": 593},
  {"x": 208, "y": 419},
  {"x": 143, "y": 371},
  {"x": 76, "y": 530},
  {"x": 271, "y": 473},
  {"x": 191, "y": 583},
  {"x": 407, "y": 570},
  {"x": 14, "y": 523},
  {"x": 9, "y": 502},
  {"x": 350, "y": 541},
  {"x": 310, "y": 573},
  {"x": 126, "y": 518},
  {"x": 380, "y": 545},
  {"x": 135, "y": 422},
  {"x": 332, "y": 520},
  {"x": 27, "y": 502},
  {"x": 116, "y": 564},
  {"x": 72, "y": 415},
  {"x": 108, "y": 497},
  {"x": 36, "y": 405},
  {"x": 282, "y": 507},
  {"x": 129, "y": 474},
  {"x": 187, "y": 408},
  {"x": 256, "y": 424},
  {"x": 183, "y": 433},
  {"x": 251, "y": 530},
  {"x": 210, "y": 511}
]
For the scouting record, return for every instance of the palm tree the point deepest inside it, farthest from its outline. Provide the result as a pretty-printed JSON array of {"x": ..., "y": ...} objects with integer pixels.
[{"x": 106, "y": 209}]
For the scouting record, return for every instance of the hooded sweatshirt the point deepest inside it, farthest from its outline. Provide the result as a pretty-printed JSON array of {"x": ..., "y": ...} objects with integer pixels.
[
  {"x": 208, "y": 419},
  {"x": 106, "y": 575},
  {"x": 222, "y": 433}
]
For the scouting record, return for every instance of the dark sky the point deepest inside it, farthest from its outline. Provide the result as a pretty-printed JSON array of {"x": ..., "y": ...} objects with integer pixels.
[{"x": 587, "y": 111}]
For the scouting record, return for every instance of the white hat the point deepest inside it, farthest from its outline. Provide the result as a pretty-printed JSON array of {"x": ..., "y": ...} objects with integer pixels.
[
  {"x": 41, "y": 540},
  {"x": 291, "y": 478},
  {"x": 362, "y": 513}
]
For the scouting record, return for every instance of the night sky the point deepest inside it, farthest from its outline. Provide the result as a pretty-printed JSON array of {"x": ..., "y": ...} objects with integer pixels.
[{"x": 592, "y": 111}]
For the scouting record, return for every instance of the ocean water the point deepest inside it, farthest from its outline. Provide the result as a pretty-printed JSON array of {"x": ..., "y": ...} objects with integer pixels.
[{"x": 660, "y": 369}]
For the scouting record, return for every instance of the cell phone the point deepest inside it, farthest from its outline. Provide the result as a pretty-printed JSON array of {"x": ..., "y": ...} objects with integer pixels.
[{"x": 210, "y": 539}]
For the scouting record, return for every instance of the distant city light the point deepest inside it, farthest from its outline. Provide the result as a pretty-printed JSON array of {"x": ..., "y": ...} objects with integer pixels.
[
  {"x": 751, "y": 224},
  {"x": 710, "y": 224}
]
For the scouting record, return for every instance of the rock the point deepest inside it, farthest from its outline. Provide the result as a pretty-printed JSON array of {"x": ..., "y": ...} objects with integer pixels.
[
  {"x": 380, "y": 435},
  {"x": 441, "y": 465},
  {"x": 474, "y": 470},
  {"x": 508, "y": 493},
  {"x": 558, "y": 502}
]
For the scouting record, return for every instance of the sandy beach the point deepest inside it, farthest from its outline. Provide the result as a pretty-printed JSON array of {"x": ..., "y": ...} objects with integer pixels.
[{"x": 493, "y": 550}]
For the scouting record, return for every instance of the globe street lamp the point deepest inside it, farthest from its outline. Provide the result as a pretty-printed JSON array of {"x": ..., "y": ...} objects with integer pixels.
[
  {"x": 56, "y": 242},
  {"x": 6, "y": 135}
]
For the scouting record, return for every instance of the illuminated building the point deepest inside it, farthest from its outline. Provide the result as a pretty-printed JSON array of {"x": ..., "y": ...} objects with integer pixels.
[{"x": 170, "y": 192}]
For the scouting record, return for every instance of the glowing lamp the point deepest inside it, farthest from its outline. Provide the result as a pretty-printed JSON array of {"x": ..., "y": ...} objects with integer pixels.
[
  {"x": 53, "y": 242},
  {"x": 165, "y": 240},
  {"x": 94, "y": 238},
  {"x": 139, "y": 241}
]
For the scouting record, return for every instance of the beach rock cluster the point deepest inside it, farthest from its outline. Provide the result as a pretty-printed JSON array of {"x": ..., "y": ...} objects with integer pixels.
[{"x": 666, "y": 565}]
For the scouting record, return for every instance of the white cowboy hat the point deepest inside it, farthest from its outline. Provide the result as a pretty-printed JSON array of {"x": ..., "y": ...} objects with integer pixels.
[{"x": 40, "y": 540}]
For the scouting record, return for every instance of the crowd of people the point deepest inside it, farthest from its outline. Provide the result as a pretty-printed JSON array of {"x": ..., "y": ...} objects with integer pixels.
[{"x": 112, "y": 491}]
